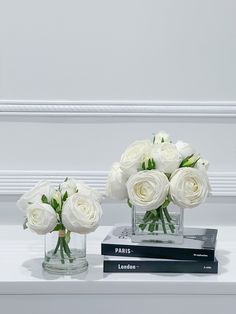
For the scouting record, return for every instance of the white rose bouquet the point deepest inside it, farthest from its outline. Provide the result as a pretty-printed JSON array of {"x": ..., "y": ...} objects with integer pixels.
[
  {"x": 72, "y": 207},
  {"x": 151, "y": 175}
]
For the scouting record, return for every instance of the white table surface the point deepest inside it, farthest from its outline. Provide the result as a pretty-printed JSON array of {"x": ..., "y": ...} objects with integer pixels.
[{"x": 21, "y": 255}]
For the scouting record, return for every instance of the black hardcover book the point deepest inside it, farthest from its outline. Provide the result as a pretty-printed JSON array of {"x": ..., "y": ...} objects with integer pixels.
[
  {"x": 150, "y": 265},
  {"x": 199, "y": 244}
]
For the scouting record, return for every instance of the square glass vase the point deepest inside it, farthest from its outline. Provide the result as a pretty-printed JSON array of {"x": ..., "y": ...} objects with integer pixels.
[
  {"x": 65, "y": 253},
  {"x": 163, "y": 225}
]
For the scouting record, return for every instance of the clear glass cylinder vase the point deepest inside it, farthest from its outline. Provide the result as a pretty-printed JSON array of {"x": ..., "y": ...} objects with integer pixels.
[
  {"x": 65, "y": 253},
  {"x": 163, "y": 225}
]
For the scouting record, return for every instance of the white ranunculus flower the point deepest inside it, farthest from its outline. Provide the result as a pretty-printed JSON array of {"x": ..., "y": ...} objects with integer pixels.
[
  {"x": 116, "y": 183},
  {"x": 148, "y": 189},
  {"x": 68, "y": 186},
  {"x": 202, "y": 164},
  {"x": 35, "y": 195},
  {"x": 41, "y": 218},
  {"x": 189, "y": 187},
  {"x": 166, "y": 157},
  {"x": 184, "y": 149},
  {"x": 162, "y": 137},
  {"x": 81, "y": 214},
  {"x": 84, "y": 190},
  {"x": 132, "y": 157}
]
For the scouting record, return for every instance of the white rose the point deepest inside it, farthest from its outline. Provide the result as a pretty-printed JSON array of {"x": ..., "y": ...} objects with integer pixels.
[
  {"x": 116, "y": 183},
  {"x": 189, "y": 187},
  {"x": 35, "y": 195},
  {"x": 68, "y": 186},
  {"x": 133, "y": 156},
  {"x": 202, "y": 164},
  {"x": 81, "y": 214},
  {"x": 84, "y": 190},
  {"x": 161, "y": 137},
  {"x": 184, "y": 149},
  {"x": 41, "y": 218},
  {"x": 166, "y": 157},
  {"x": 148, "y": 189}
]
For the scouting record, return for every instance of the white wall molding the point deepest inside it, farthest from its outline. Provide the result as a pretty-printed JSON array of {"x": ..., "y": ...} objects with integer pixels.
[
  {"x": 221, "y": 109},
  {"x": 16, "y": 182}
]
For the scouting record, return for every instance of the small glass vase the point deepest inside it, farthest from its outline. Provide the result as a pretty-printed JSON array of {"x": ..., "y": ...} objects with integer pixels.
[
  {"x": 65, "y": 253},
  {"x": 164, "y": 225}
]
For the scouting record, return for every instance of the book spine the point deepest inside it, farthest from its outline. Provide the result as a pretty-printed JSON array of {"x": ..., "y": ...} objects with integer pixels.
[
  {"x": 208, "y": 267},
  {"x": 158, "y": 252}
]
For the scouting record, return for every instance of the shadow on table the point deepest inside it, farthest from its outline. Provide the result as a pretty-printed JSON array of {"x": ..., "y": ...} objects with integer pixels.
[
  {"x": 34, "y": 266},
  {"x": 94, "y": 272}
]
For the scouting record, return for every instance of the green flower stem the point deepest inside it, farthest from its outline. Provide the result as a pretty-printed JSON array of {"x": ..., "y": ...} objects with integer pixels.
[
  {"x": 142, "y": 226},
  {"x": 63, "y": 235},
  {"x": 167, "y": 214},
  {"x": 163, "y": 221},
  {"x": 61, "y": 251},
  {"x": 151, "y": 227},
  {"x": 152, "y": 218},
  {"x": 63, "y": 245},
  {"x": 57, "y": 246},
  {"x": 168, "y": 218},
  {"x": 157, "y": 220},
  {"x": 148, "y": 216},
  {"x": 67, "y": 250}
]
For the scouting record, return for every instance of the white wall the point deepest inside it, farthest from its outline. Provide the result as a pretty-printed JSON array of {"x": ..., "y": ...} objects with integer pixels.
[
  {"x": 54, "y": 52},
  {"x": 127, "y": 49}
]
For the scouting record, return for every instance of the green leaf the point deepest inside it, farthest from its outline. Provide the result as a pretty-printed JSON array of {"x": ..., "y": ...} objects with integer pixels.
[
  {"x": 66, "y": 179},
  {"x": 55, "y": 204},
  {"x": 190, "y": 161},
  {"x": 129, "y": 204},
  {"x": 57, "y": 228},
  {"x": 44, "y": 199},
  {"x": 154, "y": 138},
  {"x": 166, "y": 203},
  {"x": 65, "y": 196},
  {"x": 25, "y": 224},
  {"x": 194, "y": 163},
  {"x": 185, "y": 161},
  {"x": 153, "y": 164},
  {"x": 168, "y": 175},
  {"x": 149, "y": 164},
  {"x": 162, "y": 140}
]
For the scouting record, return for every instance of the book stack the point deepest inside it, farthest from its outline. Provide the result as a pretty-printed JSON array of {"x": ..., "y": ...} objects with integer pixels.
[{"x": 195, "y": 255}]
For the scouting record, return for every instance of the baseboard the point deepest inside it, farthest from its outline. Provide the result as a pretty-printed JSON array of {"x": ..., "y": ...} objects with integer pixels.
[{"x": 16, "y": 182}]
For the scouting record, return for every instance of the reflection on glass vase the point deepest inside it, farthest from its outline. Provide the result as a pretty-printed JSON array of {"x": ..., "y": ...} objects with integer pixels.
[
  {"x": 164, "y": 224},
  {"x": 65, "y": 253}
]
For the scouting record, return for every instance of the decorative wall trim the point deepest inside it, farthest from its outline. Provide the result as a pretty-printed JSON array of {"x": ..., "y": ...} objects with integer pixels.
[
  {"x": 106, "y": 108},
  {"x": 17, "y": 182}
]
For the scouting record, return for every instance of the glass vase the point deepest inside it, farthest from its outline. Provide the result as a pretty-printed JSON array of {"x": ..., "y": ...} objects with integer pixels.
[
  {"x": 65, "y": 253},
  {"x": 164, "y": 225}
]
